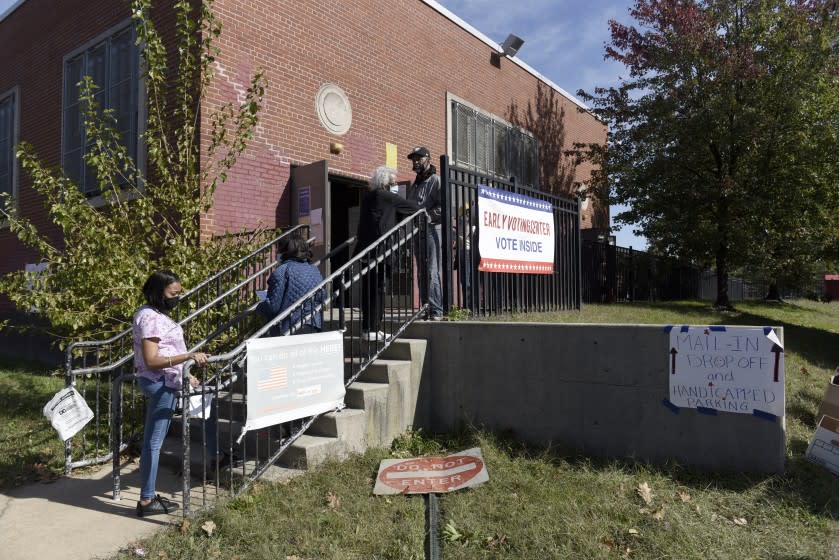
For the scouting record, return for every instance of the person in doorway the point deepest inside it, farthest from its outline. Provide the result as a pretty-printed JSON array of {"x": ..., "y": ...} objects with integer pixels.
[
  {"x": 425, "y": 191},
  {"x": 159, "y": 354},
  {"x": 381, "y": 209},
  {"x": 294, "y": 278}
]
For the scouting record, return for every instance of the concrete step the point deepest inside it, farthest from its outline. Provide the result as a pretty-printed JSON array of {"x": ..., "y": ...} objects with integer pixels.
[
  {"x": 309, "y": 451},
  {"x": 347, "y": 423}
]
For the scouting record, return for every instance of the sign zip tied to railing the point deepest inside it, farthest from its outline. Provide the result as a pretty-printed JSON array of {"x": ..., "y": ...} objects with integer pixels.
[
  {"x": 431, "y": 476},
  {"x": 292, "y": 377}
]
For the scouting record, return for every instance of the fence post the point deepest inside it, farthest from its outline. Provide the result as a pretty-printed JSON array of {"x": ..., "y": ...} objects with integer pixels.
[{"x": 445, "y": 234}]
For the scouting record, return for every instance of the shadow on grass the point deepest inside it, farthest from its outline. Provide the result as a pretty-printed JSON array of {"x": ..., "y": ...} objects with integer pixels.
[{"x": 802, "y": 485}]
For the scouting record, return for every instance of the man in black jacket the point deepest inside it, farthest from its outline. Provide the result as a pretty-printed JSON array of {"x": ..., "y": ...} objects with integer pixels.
[
  {"x": 381, "y": 210},
  {"x": 426, "y": 193}
]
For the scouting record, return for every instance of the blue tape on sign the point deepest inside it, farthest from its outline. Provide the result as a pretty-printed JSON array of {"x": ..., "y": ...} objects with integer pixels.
[
  {"x": 667, "y": 329},
  {"x": 764, "y": 415},
  {"x": 685, "y": 328},
  {"x": 720, "y": 328},
  {"x": 767, "y": 330},
  {"x": 673, "y": 408},
  {"x": 708, "y": 411}
]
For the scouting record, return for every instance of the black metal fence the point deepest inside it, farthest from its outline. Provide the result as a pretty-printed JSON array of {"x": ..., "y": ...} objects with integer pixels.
[
  {"x": 494, "y": 293},
  {"x": 613, "y": 274}
]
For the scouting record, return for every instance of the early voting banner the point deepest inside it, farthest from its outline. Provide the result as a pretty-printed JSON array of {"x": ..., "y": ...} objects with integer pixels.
[
  {"x": 516, "y": 232},
  {"x": 291, "y": 377},
  {"x": 731, "y": 369}
]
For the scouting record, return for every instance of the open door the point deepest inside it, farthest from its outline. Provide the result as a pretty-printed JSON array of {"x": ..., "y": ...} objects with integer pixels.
[{"x": 311, "y": 204}]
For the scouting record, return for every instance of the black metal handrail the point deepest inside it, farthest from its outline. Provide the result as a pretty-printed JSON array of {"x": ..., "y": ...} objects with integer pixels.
[
  {"x": 392, "y": 257},
  {"x": 112, "y": 357}
]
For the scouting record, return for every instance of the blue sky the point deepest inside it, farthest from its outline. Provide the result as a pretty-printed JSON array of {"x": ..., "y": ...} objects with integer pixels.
[{"x": 563, "y": 40}]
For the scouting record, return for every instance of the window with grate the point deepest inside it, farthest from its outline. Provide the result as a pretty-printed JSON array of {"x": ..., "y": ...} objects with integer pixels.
[
  {"x": 7, "y": 142},
  {"x": 491, "y": 146},
  {"x": 112, "y": 63}
]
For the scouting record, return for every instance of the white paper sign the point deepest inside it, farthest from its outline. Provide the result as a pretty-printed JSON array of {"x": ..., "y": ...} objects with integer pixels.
[
  {"x": 516, "y": 232},
  {"x": 200, "y": 403},
  {"x": 291, "y": 377},
  {"x": 68, "y": 412},
  {"x": 731, "y": 369}
]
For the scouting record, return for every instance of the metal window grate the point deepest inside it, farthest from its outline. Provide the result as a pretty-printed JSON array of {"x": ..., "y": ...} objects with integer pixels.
[{"x": 490, "y": 146}]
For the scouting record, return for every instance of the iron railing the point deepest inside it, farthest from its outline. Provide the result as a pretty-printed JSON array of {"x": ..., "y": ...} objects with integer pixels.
[
  {"x": 386, "y": 266},
  {"x": 494, "y": 293},
  {"x": 216, "y": 312}
]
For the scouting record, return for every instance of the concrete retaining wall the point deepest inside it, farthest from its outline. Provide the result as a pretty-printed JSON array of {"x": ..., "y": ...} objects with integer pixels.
[{"x": 596, "y": 389}]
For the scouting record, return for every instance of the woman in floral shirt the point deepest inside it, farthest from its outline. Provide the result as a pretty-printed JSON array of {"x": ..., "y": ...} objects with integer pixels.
[{"x": 159, "y": 354}]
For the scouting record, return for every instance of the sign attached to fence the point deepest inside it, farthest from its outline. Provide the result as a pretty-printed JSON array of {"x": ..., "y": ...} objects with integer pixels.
[
  {"x": 731, "y": 369},
  {"x": 516, "y": 232},
  {"x": 426, "y": 475},
  {"x": 291, "y": 377}
]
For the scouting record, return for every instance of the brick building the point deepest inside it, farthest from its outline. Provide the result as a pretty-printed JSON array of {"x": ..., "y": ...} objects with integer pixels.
[{"x": 351, "y": 85}]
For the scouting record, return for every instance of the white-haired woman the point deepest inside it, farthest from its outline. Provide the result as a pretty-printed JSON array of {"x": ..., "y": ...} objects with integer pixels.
[{"x": 379, "y": 211}]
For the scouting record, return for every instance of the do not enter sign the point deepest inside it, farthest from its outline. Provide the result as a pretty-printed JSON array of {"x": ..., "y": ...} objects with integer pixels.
[{"x": 436, "y": 475}]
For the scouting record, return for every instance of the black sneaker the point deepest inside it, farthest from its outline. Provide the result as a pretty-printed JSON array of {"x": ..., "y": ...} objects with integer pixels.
[{"x": 156, "y": 506}]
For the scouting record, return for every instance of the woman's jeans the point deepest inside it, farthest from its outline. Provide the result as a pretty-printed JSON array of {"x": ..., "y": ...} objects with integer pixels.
[{"x": 160, "y": 405}]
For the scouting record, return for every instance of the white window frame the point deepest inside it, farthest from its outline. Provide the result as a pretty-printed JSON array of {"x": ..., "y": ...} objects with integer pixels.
[
  {"x": 14, "y": 93},
  {"x": 140, "y": 151}
]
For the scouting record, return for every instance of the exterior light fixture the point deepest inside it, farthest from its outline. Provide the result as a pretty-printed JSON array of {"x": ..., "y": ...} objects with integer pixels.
[{"x": 511, "y": 45}]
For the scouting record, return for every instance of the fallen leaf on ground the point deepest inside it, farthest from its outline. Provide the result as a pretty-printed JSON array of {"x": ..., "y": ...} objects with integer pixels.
[
  {"x": 658, "y": 514},
  {"x": 209, "y": 527},
  {"x": 740, "y": 521},
  {"x": 185, "y": 526},
  {"x": 633, "y": 532},
  {"x": 333, "y": 501},
  {"x": 645, "y": 492},
  {"x": 684, "y": 496}
]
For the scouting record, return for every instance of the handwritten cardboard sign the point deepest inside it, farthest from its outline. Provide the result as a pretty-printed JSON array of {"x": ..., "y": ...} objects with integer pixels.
[{"x": 730, "y": 369}]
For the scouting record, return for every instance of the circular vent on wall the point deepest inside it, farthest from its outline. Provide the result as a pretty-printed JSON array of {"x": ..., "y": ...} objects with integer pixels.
[{"x": 333, "y": 107}]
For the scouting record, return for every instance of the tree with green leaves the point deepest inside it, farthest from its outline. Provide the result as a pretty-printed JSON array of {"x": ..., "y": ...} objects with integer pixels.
[
  {"x": 149, "y": 219},
  {"x": 722, "y": 139}
]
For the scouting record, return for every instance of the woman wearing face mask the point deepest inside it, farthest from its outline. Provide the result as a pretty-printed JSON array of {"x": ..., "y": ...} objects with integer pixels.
[
  {"x": 380, "y": 211},
  {"x": 159, "y": 354}
]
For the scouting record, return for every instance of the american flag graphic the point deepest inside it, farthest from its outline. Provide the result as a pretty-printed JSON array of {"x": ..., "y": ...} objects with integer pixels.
[{"x": 276, "y": 377}]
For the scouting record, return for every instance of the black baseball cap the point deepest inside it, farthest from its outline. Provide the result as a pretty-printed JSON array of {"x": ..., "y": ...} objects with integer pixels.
[{"x": 419, "y": 151}]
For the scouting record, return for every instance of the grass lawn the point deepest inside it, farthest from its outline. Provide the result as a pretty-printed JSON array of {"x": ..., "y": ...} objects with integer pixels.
[
  {"x": 542, "y": 503},
  {"x": 30, "y": 449}
]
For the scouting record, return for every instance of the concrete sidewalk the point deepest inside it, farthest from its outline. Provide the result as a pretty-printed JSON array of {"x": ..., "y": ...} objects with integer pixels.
[{"x": 76, "y": 517}]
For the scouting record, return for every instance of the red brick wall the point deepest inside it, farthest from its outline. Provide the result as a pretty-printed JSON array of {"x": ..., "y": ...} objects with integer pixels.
[
  {"x": 396, "y": 60},
  {"x": 34, "y": 39}
]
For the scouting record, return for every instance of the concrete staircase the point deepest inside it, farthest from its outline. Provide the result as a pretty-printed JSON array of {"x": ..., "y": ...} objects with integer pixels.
[{"x": 380, "y": 406}]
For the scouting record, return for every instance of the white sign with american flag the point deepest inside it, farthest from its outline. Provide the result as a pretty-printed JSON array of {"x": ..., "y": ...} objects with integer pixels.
[{"x": 292, "y": 377}]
